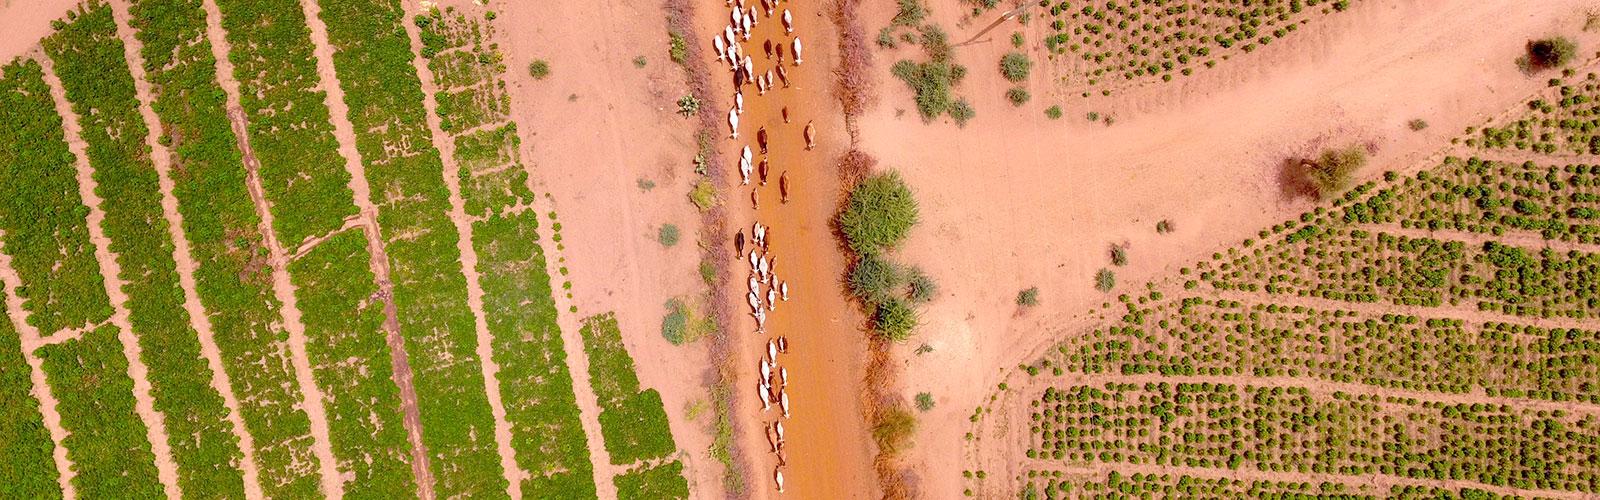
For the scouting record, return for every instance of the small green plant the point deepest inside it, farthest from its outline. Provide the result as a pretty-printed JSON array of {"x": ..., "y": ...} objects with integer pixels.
[
  {"x": 1119, "y": 255},
  {"x": 911, "y": 13},
  {"x": 924, "y": 401},
  {"x": 704, "y": 195},
  {"x": 895, "y": 319},
  {"x": 1017, "y": 40},
  {"x": 1093, "y": 116},
  {"x": 640, "y": 62},
  {"x": 688, "y": 105},
  {"x": 1053, "y": 112},
  {"x": 677, "y": 47},
  {"x": 708, "y": 272},
  {"x": 1105, "y": 280},
  {"x": 1018, "y": 96},
  {"x": 1417, "y": 124},
  {"x": 1028, "y": 297},
  {"x": 645, "y": 184},
  {"x": 920, "y": 288},
  {"x": 961, "y": 111},
  {"x": 668, "y": 235},
  {"x": 1015, "y": 66},
  {"x": 886, "y": 37},
  {"x": 923, "y": 349},
  {"x": 539, "y": 69},
  {"x": 1164, "y": 227},
  {"x": 675, "y": 325}
]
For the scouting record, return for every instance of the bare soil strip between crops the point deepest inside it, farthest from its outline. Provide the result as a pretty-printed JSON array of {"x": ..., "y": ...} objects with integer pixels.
[
  {"x": 469, "y": 267},
  {"x": 1380, "y": 482},
  {"x": 29, "y": 336},
  {"x": 144, "y": 403},
  {"x": 282, "y": 286},
  {"x": 161, "y": 158},
  {"x": 344, "y": 132}
]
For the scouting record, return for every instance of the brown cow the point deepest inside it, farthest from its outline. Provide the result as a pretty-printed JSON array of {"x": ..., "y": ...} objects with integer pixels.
[
  {"x": 761, "y": 139},
  {"x": 738, "y": 243},
  {"x": 783, "y": 186},
  {"x": 811, "y": 136},
  {"x": 763, "y": 171}
]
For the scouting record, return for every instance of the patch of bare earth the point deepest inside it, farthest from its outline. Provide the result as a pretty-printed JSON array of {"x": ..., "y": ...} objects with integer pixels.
[
  {"x": 278, "y": 259},
  {"x": 1015, "y": 200},
  {"x": 162, "y": 159},
  {"x": 469, "y": 268},
  {"x": 144, "y": 403},
  {"x": 31, "y": 340}
]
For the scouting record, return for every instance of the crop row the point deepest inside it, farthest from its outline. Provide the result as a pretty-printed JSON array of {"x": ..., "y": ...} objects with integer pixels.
[
  {"x": 661, "y": 482},
  {"x": 373, "y": 57},
  {"x": 90, "y": 61},
  {"x": 44, "y": 220},
  {"x": 1565, "y": 122},
  {"x": 28, "y": 470},
  {"x": 633, "y": 422},
  {"x": 518, "y": 303},
  {"x": 471, "y": 94},
  {"x": 1202, "y": 336},
  {"x": 1133, "y": 39},
  {"x": 106, "y": 440},
  {"x": 1486, "y": 197},
  {"x": 1052, "y": 485},
  {"x": 1291, "y": 429},
  {"x": 290, "y": 131}
]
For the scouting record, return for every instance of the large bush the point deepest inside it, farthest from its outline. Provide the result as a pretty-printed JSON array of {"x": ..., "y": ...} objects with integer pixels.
[
  {"x": 1014, "y": 66},
  {"x": 896, "y": 319},
  {"x": 1546, "y": 53},
  {"x": 875, "y": 279},
  {"x": 1334, "y": 170},
  {"x": 879, "y": 215}
]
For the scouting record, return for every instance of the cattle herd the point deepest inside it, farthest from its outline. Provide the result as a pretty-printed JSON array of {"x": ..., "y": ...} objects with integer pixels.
[{"x": 766, "y": 290}]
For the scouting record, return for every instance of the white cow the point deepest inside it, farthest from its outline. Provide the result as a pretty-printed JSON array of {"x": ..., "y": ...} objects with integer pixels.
[
  {"x": 783, "y": 402},
  {"x": 783, "y": 344},
  {"x": 777, "y": 477},
  {"x": 772, "y": 351},
  {"x": 733, "y": 123},
  {"x": 766, "y": 269},
  {"x": 753, "y": 257},
  {"x": 722, "y": 48},
  {"x": 749, "y": 66},
  {"x": 761, "y": 320},
  {"x": 755, "y": 301},
  {"x": 763, "y": 391},
  {"x": 745, "y": 25},
  {"x": 772, "y": 302},
  {"x": 766, "y": 370},
  {"x": 752, "y": 17},
  {"x": 755, "y": 285},
  {"x": 744, "y": 171},
  {"x": 736, "y": 15},
  {"x": 783, "y": 289},
  {"x": 778, "y": 427},
  {"x": 788, "y": 22},
  {"x": 738, "y": 101},
  {"x": 796, "y": 46}
]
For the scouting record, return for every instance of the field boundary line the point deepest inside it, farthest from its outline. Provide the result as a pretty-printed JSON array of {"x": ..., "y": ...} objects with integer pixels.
[
  {"x": 185, "y": 263},
  {"x": 487, "y": 367},
  {"x": 282, "y": 287},
  {"x": 111, "y": 272},
  {"x": 30, "y": 340}
]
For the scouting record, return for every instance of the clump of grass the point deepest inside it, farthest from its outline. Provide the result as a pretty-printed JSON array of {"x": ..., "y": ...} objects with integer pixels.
[
  {"x": 875, "y": 279},
  {"x": 704, "y": 195},
  {"x": 894, "y": 429},
  {"x": 1017, "y": 40},
  {"x": 640, "y": 62},
  {"x": 920, "y": 287},
  {"x": 886, "y": 37},
  {"x": 1164, "y": 226},
  {"x": 668, "y": 235},
  {"x": 1417, "y": 124},
  {"x": 1119, "y": 255},
  {"x": 1018, "y": 96},
  {"x": 879, "y": 214},
  {"x": 708, "y": 272},
  {"x": 677, "y": 47},
  {"x": 682, "y": 325},
  {"x": 645, "y": 184},
  {"x": 1105, "y": 280},
  {"x": 1053, "y": 112},
  {"x": 1093, "y": 116},
  {"x": 924, "y": 401},
  {"x": 1548, "y": 53},
  {"x": 539, "y": 69},
  {"x": 911, "y": 13},
  {"x": 1028, "y": 297},
  {"x": 1015, "y": 66},
  {"x": 961, "y": 111},
  {"x": 895, "y": 319},
  {"x": 688, "y": 105},
  {"x": 1334, "y": 170}
]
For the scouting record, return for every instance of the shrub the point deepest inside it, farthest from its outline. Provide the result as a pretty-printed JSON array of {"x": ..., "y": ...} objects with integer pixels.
[
  {"x": 961, "y": 111},
  {"x": 924, "y": 401},
  {"x": 1119, "y": 255},
  {"x": 1017, "y": 40},
  {"x": 1548, "y": 53},
  {"x": 675, "y": 325},
  {"x": 1334, "y": 170},
  {"x": 894, "y": 429},
  {"x": 874, "y": 279},
  {"x": 886, "y": 37},
  {"x": 911, "y": 13},
  {"x": 704, "y": 195},
  {"x": 1053, "y": 112},
  {"x": 1028, "y": 297},
  {"x": 1105, "y": 280},
  {"x": 1014, "y": 66},
  {"x": 1018, "y": 96},
  {"x": 920, "y": 288},
  {"x": 879, "y": 214},
  {"x": 895, "y": 319},
  {"x": 640, "y": 62},
  {"x": 677, "y": 47},
  {"x": 1417, "y": 124},
  {"x": 668, "y": 235},
  {"x": 688, "y": 105},
  {"x": 930, "y": 82},
  {"x": 1164, "y": 226},
  {"x": 539, "y": 69}
]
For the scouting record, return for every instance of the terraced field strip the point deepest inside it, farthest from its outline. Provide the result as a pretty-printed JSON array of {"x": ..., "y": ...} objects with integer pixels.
[
  {"x": 406, "y": 192},
  {"x": 30, "y": 428},
  {"x": 172, "y": 65},
  {"x": 634, "y": 421},
  {"x": 300, "y": 191},
  {"x": 50, "y": 236},
  {"x": 491, "y": 189}
]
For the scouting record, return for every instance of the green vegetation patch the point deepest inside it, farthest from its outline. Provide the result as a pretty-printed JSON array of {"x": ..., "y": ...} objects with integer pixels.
[
  {"x": 633, "y": 422},
  {"x": 661, "y": 482}
]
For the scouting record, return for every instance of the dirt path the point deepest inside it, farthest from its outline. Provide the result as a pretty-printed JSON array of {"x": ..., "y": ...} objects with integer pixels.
[
  {"x": 186, "y": 266},
  {"x": 41, "y": 387},
  {"x": 144, "y": 403},
  {"x": 469, "y": 269},
  {"x": 277, "y": 257},
  {"x": 827, "y": 447}
]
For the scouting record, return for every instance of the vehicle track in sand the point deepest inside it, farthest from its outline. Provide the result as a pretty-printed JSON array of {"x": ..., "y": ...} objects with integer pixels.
[{"x": 185, "y": 263}]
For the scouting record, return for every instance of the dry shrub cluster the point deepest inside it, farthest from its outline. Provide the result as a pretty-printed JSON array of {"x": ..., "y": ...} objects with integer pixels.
[{"x": 855, "y": 61}]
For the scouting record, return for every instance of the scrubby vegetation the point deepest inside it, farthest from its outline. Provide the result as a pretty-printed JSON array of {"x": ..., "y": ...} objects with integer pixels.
[
  {"x": 1548, "y": 53},
  {"x": 878, "y": 216},
  {"x": 1334, "y": 170},
  {"x": 932, "y": 79}
]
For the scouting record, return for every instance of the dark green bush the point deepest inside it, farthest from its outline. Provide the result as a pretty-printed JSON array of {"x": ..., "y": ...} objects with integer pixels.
[
  {"x": 1015, "y": 66},
  {"x": 879, "y": 214}
]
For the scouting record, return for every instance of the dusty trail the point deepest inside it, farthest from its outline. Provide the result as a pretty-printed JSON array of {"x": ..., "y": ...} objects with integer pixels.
[
  {"x": 41, "y": 387},
  {"x": 186, "y": 266},
  {"x": 277, "y": 258},
  {"x": 827, "y": 443},
  {"x": 469, "y": 269},
  {"x": 144, "y": 403}
]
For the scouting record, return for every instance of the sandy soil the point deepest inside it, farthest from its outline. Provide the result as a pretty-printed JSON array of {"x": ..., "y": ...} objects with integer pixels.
[
  {"x": 29, "y": 336},
  {"x": 24, "y": 22},
  {"x": 277, "y": 257},
  {"x": 161, "y": 159},
  {"x": 1055, "y": 194},
  {"x": 144, "y": 403},
  {"x": 592, "y": 132}
]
